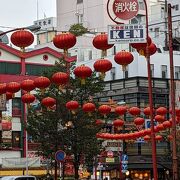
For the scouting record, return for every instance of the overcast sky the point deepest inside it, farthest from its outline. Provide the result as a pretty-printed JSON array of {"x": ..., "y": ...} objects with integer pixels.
[{"x": 20, "y": 13}]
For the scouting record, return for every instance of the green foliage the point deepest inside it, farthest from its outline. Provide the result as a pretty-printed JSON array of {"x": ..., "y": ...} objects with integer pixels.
[
  {"x": 78, "y": 29},
  {"x": 48, "y": 126}
]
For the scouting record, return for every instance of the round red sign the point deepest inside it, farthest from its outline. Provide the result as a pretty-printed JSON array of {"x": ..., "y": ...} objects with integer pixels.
[
  {"x": 110, "y": 154},
  {"x": 122, "y": 10}
]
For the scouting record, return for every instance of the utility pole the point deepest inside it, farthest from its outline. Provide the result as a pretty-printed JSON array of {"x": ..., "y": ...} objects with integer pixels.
[
  {"x": 166, "y": 25},
  {"x": 174, "y": 147}
]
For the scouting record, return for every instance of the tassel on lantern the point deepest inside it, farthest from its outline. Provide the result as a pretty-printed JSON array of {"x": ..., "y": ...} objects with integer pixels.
[
  {"x": 83, "y": 81},
  {"x": 123, "y": 67},
  {"x": 102, "y": 75},
  {"x": 104, "y": 53},
  {"x": 141, "y": 52}
]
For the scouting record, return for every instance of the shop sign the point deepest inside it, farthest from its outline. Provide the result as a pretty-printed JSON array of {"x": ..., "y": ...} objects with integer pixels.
[
  {"x": 110, "y": 160},
  {"x": 126, "y": 33}
]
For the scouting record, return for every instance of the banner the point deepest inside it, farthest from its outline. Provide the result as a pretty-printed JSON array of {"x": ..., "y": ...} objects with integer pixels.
[{"x": 20, "y": 162}]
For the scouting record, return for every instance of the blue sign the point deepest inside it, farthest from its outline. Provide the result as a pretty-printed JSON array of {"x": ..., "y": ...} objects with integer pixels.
[
  {"x": 124, "y": 166},
  {"x": 60, "y": 156},
  {"x": 126, "y": 33},
  {"x": 148, "y": 123},
  {"x": 124, "y": 157}
]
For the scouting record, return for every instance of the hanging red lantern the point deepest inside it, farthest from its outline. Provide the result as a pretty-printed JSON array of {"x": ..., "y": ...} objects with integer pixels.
[
  {"x": 64, "y": 41},
  {"x": 42, "y": 82},
  {"x": 160, "y": 127},
  {"x": 135, "y": 111},
  {"x": 89, "y": 108},
  {"x": 2, "y": 88},
  {"x": 27, "y": 85},
  {"x": 147, "y": 138},
  {"x": 60, "y": 78},
  {"x": 167, "y": 124},
  {"x": 102, "y": 66},
  {"x": 28, "y": 98},
  {"x": 99, "y": 122},
  {"x": 139, "y": 121},
  {"x": 118, "y": 122},
  {"x": 121, "y": 110},
  {"x": 161, "y": 111},
  {"x": 22, "y": 38},
  {"x": 152, "y": 50},
  {"x": 159, "y": 118},
  {"x": 100, "y": 41},
  {"x": 104, "y": 109},
  {"x": 141, "y": 45},
  {"x": 9, "y": 95},
  {"x": 158, "y": 138},
  {"x": 170, "y": 137},
  {"x": 83, "y": 72},
  {"x": 72, "y": 106},
  {"x": 48, "y": 102},
  {"x": 123, "y": 58},
  {"x": 13, "y": 87}
]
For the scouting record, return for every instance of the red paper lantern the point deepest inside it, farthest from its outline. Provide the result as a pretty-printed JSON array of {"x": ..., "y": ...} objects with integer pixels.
[
  {"x": 135, "y": 111},
  {"x": 161, "y": 111},
  {"x": 123, "y": 58},
  {"x": 28, "y": 98},
  {"x": 65, "y": 40},
  {"x": 99, "y": 122},
  {"x": 2, "y": 88},
  {"x": 104, "y": 109},
  {"x": 141, "y": 45},
  {"x": 159, "y": 118},
  {"x": 100, "y": 41},
  {"x": 167, "y": 124},
  {"x": 158, "y": 138},
  {"x": 152, "y": 50},
  {"x": 147, "y": 111},
  {"x": 121, "y": 110},
  {"x": 170, "y": 137},
  {"x": 60, "y": 78},
  {"x": 9, "y": 95},
  {"x": 41, "y": 82},
  {"x": 82, "y": 72},
  {"x": 102, "y": 66},
  {"x": 27, "y": 85},
  {"x": 118, "y": 122},
  {"x": 72, "y": 105},
  {"x": 22, "y": 38},
  {"x": 88, "y": 107},
  {"x": 139, "y": 121},
  {"x": 147, "y": 138},
  {"x": 13, "y": 87},
  {"x": 48, "y": 102},
  {"x": 160, "y": 127}
]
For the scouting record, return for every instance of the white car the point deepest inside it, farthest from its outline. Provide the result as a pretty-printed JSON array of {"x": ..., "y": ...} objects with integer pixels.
[{"x": 18, "y": 178}]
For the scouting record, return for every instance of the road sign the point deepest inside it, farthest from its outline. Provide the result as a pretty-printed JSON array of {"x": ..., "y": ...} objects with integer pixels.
[
  {"x": 60, "y": 156},
  {"x": 121, "y": 10},
  {"x": 139, "y": 140},
  {"x": 126, "y": 33},
  {"x": 124, "y": 157}
]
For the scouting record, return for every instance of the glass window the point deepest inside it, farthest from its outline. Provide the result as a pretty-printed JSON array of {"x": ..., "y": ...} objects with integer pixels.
[
  {"x": 164, "y": 71},
  {"x": 113, "y": 73},
  {"x": 79, "y": 1},
  {"x": 90, "y": 54},
  {"x": 16, "y": 106},
  {"x": 10, "y": 68},
  {"x": 177, "y": 72},
  {"x": 152, "y": 70}
]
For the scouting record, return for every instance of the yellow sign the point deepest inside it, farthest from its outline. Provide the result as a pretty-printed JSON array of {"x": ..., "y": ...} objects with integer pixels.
[{"x": 110, "y": 160}]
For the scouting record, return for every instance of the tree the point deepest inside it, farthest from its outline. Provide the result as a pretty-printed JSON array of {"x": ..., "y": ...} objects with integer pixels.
[
  {"x": 57, "y": 128},
  {"x": 78, "y": 29}
]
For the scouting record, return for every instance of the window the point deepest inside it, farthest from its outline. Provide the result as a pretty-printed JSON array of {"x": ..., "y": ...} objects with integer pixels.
[
  {"x": 114, "y": 50},
  {"x": 177, "y": 72},
  {"x": 79, "y": 1},
  {"x": 10, "y": 68},
  {"x": 164, "y": 71},
  {"x": 49, "y": 21},
  {"x": 16, "y": 139},
  {"x": 152, "y": 70},
  {"x": 176, "y": 7},
  {"x": 156, "y": 32},
  {"x": 113, "y": 73},
  {"x": 16, "y": 107},
  {"x": 90, "y": 54}
]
